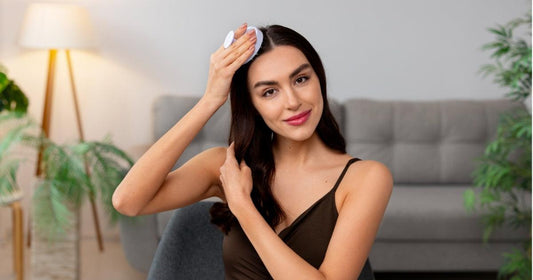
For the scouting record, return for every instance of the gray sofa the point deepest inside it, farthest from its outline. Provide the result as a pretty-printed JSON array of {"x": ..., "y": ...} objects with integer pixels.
[{"x": 429, "y": 146}]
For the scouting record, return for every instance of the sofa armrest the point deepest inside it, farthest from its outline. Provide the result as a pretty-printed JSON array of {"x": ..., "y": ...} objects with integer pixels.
[
  {"x": 139, "y": 238},
  {"x": 190, "y": 247}
]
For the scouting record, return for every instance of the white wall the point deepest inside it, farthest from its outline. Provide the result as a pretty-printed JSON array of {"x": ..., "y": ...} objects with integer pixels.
[{"x": 387, "y": 49}]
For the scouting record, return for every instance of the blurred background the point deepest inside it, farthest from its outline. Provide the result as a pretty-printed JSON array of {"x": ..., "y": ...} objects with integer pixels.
[{"x": 385, "y": 49}]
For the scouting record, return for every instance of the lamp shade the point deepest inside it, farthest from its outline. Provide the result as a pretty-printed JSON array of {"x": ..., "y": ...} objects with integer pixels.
[{"x": 56, "y": 26}]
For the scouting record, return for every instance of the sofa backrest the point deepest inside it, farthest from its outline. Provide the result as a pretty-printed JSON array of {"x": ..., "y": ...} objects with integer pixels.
[{"x": 423, "y": 142}]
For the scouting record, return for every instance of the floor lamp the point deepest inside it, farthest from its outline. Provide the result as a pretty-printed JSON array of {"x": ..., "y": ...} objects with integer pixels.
[{"x": 54, "y": 27}]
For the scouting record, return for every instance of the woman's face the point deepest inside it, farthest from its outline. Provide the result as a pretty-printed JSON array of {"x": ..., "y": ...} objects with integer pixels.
[{"x": 285, "y": 90}]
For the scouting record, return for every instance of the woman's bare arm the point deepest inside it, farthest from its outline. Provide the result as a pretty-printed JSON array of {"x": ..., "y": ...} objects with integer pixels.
[
  {"x": 149, "y": 187},
  {"x": 150, "y": 174}
]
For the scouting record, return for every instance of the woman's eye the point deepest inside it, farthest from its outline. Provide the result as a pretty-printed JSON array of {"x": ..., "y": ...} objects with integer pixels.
[
  {"x": 301, "y": 79},
  {"x": 268, "y": 92}
]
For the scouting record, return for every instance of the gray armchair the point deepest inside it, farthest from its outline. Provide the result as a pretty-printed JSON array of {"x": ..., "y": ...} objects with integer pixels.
[{"x": 190, "y": 248}]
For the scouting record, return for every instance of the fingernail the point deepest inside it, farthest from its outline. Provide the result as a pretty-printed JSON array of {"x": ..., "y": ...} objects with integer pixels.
[{"x": 243, "y": 25}]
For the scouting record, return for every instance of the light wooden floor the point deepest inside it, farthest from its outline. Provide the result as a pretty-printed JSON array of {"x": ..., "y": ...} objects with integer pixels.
[{"x": 111, "y": 264}]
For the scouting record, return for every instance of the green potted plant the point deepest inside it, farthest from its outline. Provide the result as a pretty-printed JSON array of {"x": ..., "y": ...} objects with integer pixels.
[
  {"x": 504, "y": 171},
  {"x": 13, "y": 108},
  {"x": 72, "y": 173}
]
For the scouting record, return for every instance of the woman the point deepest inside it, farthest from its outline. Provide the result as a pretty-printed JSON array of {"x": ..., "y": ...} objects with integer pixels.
[{"x": 296, "y": 206}]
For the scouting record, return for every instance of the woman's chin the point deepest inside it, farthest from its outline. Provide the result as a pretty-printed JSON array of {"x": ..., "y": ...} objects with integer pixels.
[{"x": 296, "y": 136}]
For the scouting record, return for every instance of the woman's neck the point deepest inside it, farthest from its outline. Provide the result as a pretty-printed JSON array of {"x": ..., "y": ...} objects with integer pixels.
[{"x": 299, "y": 153}]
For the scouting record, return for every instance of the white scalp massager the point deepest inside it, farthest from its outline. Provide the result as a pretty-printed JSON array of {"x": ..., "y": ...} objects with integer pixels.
[{"x": 230, "y": 38}]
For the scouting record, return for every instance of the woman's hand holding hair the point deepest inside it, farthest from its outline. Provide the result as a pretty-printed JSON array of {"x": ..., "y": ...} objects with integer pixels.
[
  {"x": 225, "y": 62},
  {"x": 237, "y": 182}
]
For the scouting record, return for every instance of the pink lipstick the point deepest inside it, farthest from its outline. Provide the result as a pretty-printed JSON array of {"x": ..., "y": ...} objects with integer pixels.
[{"x": 299, "y": 119}]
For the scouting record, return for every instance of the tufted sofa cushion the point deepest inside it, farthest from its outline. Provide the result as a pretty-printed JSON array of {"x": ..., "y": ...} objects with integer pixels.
[
  {"x": 423, "y": 142},
  {"x": 435, "y": 213}
]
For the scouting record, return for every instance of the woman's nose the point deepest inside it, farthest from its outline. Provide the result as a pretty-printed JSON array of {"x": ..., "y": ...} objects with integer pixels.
[{"x": 292, "y": 100}]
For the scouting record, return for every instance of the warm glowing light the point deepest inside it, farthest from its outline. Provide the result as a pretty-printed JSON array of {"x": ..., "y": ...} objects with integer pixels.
[{"x": 57, "y": 26}]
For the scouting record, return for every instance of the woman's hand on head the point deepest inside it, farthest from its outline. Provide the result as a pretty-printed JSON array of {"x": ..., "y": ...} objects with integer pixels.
[
  {"x": 236, "y": 181},
  {"x": 225, "y": 62}
]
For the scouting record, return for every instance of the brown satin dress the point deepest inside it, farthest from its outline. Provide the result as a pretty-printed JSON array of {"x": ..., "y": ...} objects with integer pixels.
[{"x": 308, "y": 236}]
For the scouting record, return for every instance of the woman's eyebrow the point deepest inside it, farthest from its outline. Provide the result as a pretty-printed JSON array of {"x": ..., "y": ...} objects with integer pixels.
[
  {"x": 299, "y": 69},
  {"x": 294, "y": 73}
]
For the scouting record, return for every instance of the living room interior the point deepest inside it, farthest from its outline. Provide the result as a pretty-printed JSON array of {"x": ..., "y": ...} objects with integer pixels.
[{"x": 138, "y": 65}]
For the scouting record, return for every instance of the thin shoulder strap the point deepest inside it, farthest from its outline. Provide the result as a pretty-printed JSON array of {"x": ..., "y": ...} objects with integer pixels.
[{"x": 352, "y": 160}]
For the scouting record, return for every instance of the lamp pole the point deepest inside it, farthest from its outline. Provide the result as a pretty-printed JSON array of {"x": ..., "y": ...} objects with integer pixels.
[
  {"x": 48, "y": 97},
  {"x": 45, "y": 126},
  {"x": 54, "y": 26},
  {"x": 82, "y": 139}
]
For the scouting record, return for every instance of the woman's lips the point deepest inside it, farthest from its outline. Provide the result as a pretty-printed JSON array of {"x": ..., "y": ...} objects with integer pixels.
[{"x": 299, "y": 119}]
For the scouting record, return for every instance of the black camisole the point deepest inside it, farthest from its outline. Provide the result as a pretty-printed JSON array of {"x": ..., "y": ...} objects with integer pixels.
[{"x": 308, "y": 236}]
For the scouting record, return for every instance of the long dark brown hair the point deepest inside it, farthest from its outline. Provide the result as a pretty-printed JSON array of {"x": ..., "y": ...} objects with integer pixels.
[{"x": 253, "y": 138}]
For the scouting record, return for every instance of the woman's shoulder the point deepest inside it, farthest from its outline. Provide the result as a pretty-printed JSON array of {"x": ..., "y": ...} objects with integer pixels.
[
  {"x": 366, "y": 173},
  {"x": 210, "y": 159},
  {"x": 214, "y": 156},
  {"x": 371, "y": 165},
  {"x": 218, "y": 151}
]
